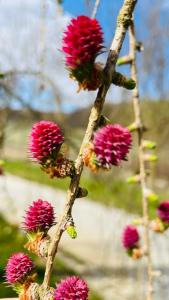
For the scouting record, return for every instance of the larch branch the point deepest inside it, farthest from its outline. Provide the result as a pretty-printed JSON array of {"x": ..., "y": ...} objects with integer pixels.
[
  {"x": 143, "y": 176},
  {"x": 123, "y": 23}
]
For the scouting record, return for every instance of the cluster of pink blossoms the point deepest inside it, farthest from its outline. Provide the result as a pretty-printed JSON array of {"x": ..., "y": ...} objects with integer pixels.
[
  {"x": 110, "y": 145},
  {"x": 20, "y": 267},
  {"x": 131, "y": 237}
]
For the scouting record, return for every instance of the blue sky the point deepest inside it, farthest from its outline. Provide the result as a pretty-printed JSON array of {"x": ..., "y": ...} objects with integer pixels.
[{"x": 23, "y": 41}]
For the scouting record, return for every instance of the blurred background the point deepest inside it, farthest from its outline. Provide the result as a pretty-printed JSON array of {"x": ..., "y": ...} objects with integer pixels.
[{"x": 34, "y": 85}]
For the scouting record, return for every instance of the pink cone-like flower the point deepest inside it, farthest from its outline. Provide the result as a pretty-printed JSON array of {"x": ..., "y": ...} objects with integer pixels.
[
  {"x": 163, "y": 211},
  {"x": 130, "y": 237},
  {"x": 82, "y": 41},
  {"x": 111, "y": 145},
  {"x": 39, "y": 216},
  {"x": 72, "y": 288},
  {"x": 45, "y": 141},
  {"x": 18, "y": 267}
]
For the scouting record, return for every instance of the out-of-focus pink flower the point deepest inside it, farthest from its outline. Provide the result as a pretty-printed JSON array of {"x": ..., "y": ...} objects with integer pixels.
[{"x": 130, "y": 237}]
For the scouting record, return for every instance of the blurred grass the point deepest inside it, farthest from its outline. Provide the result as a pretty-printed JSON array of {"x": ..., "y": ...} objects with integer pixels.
[
  {"x": 11, "y": 241},
  {"x": 103, "y": 189}
]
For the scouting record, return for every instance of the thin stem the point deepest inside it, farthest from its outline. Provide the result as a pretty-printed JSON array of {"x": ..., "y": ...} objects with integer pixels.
[
  {"x": 43, "y": 33},
  {"x": 95, "y": 9},
  {"x": 143, "y": 177},
  {"x": 122, "y": 26}
]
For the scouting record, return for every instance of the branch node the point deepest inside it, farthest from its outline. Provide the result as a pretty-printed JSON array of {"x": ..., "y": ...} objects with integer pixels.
[
  {"x": 81, "y": 193},
  {"x": 123, "y": 81}
]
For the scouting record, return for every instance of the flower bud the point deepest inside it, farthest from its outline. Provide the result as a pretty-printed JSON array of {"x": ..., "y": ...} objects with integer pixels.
[
  {"x": 150, "y": 157},
  {"x": 133, "y": 179},
  {"x": 149, "y": 145},
  {"x": 71, "y": 231}
]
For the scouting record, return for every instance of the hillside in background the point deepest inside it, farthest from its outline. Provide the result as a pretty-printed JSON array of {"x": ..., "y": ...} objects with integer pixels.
[{"x": 155, "y": 114}]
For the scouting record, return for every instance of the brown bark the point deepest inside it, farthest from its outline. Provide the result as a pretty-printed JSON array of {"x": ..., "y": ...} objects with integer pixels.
[
  {"x": 141, "y": 154},
  {"x": 123, "y": 22}
]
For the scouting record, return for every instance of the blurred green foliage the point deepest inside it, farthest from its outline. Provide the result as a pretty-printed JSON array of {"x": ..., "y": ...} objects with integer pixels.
[
  {"x": 112, "y": 192},
  {"x": 105, "y": 188}
]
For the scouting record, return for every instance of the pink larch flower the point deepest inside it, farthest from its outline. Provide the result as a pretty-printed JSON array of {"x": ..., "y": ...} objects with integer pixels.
[
  {"x": 72, "y": 288},
  {"x": 111, "y": 145},
  {"x": 82, "y": 41},
  {"x": 130, "y": 237},
  {"x": 163, "y": 211},
  {"x": 45, "y": 141},
  {"x": 39, "y": 216},
  {"x": 18, "y": 267},
  {"x": 1, "y": 171}
]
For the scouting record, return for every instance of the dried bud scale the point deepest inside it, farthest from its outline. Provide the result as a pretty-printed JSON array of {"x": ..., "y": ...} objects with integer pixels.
[
  {"x": 31, "y": 293},
  {"x": 158, "y": 226},
  {"x": 63, "y": 168},
  {"x": 47, "y": 294},
  {"x": 38, "y": 244},
  {"x": 90, "y": 159}
]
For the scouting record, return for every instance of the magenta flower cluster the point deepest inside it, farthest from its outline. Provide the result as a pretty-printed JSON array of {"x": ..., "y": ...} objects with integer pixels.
[
  {"x": 45, "y": 141},
  {"x": 18, "y": 267},
  {"x": 130, "y": 237},
  {"x": 39, "y": 216},
  {"x": 72, "y": 288},
  {"x": 82, "y": 41},
  {"x": 111, "y": 145}
]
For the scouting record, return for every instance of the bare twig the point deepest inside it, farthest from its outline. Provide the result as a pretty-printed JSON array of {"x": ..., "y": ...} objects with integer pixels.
[
  {"x": 95, "y": 9},
  {"x": 143, "y": 177},
  {"x": 123, "y": 22},
  {"x": 41, "y": 75},
  {"x": 43, "y": 33}
]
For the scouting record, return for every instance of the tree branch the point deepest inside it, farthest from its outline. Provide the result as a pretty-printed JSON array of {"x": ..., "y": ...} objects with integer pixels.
[
  {"x": 95, "y": 9},
  {"x": 123, "y": 22},
  {"x": 143, "y": 177},
  {"x": 41, "y": 75}
]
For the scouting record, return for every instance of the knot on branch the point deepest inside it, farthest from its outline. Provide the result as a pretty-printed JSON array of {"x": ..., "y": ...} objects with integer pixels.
[
  {"x": 123, "y": 81},
  {"x": 103, "y": 121},
  {"x": 81, "y": 193},
  {"x": 46, "y": 294}
]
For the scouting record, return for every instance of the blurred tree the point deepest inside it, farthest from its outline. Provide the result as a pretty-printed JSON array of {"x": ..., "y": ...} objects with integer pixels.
[{"x": 155, "y": 57}]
